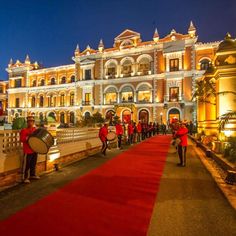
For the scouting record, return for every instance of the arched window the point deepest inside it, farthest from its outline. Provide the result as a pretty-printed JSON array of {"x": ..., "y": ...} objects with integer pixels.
[
  {"x": 144, "y": 94},
  {"x": 63, "y": 80},
  {"x": 33, "y": 101},
  {"x": 127, "y": 94},
  {"x": 72, "y": 99},
  {"x": 127, "y": 68},
  {"x": 42, "y": 82},
  {"x": 72, "y": 117},
  {"x": 72, "y": 79},
  {"x": 204, "y": 64},
  {"x": 41, "y": 101},
  {"x": 62, "y": 100},
  {"x": 53, "y": 81},
  {"x": 51, "y": 101},
  {"x": 144, "y": 66},
  {"x": 110, "y": 96},
  {"x": 34, "y": 83},
  {"x": 111, "y": 70}
]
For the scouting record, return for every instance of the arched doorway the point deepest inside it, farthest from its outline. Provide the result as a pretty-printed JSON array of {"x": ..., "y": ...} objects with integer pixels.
[
  {"x": 126, "y": 116},
  {"x": 174, "y": 114},
  {"x": 52, "y": 117},
  {"x": 72, "y": 117},
  {"x": 143, "y": 116}
]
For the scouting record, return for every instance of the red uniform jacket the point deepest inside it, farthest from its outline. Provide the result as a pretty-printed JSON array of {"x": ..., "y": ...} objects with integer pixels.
[
  {"x": 182, "y": 134},
  {"x": 24, "y": 134},
  {"x": 103, "y": 133},
  {"x": 139, "y": 128},
  {"x": 119, "y": 129},
  {"x": 130, "y": 129}
]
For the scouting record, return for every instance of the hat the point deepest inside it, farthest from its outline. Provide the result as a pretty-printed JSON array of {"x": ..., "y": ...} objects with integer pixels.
[{"x": 30, "y": 118}]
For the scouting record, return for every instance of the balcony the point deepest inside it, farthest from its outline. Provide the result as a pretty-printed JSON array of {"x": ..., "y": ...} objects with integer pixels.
[
  {"x": 167, "y": 98},
  {"x": 110, "y": 102}
]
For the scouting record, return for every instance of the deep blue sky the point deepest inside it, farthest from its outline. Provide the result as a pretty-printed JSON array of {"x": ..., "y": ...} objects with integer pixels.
[{"x": 48, "y": 30}]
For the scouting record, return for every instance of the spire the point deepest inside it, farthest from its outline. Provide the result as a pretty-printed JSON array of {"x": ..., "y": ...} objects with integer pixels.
[
  {"x": 77, "y": 51},
  {"x": 100, "y": 46},
  {"x": 10, "y": 63},
  {"x": 173, "y": 31},
  {"x": 27, "y": 60},
  {"x": 191, "y": 29},
  {"x": 155, "y": 36},
  {"x": 36, "y": 65},
  {"x": 88, "y": 50}
]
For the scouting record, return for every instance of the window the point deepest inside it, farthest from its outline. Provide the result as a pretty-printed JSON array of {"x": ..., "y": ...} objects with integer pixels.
[
  {"x": 72, "y": 117},
  {"x": 204, "y": 64},
  {"x": 127, "y": 68},
  {"x": 87, "y": 98},
  {"x": 62, "y": 100},
  {"x": 63, "y": 80},
  {"x": 34, "y": 83},
  {"x": 1, "y": 89},
  {"x": 174, "y": 94},
  {"x": 62, "y": 117},
  {"x": 42, "y": 82},
  {"x": 111, "y": 70},
  {"x": 51, "y": 101},
  {"x": 174, "y": 64},
  {"x": 127, "y": 94},
  {"x": 72, "y": 98},
  {"x": 53, "y": 81},
  {"x": 87, "y": 74},
  {"x": 17, "y": 83},
  {"x": 72, "y": 79},
  {"x": 17, "y": 104},
  {"x": 33, "y": 101},
  {"x": 41, "y": 101},
  {"x": 144, "y": 66}
]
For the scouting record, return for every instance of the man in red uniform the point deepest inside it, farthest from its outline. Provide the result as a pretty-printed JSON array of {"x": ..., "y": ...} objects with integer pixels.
[
  {"x": 130, "y": 132},
  {"x": 30, "y": 157},
  {"x": 139, "y": 130},
  {"x": 103, "y": 137},
  {"x": 119, "y": 133},
  {"x": 182, "y": 134}
]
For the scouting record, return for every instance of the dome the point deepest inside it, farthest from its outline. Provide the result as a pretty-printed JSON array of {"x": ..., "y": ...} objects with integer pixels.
[{"x": 228, "y": 44}]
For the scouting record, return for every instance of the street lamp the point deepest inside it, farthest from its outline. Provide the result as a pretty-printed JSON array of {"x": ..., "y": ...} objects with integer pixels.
[{"x": 161, "y": 114}]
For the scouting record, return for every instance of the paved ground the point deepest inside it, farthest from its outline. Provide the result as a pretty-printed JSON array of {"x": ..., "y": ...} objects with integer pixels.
[{"x": 189, "y": 202}]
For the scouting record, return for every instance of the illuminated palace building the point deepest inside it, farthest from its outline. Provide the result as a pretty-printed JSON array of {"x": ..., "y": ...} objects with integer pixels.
[{"x": 135, "y": 80}]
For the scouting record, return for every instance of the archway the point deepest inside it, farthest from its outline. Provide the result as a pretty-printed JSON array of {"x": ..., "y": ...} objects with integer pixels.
[
  {"x": 62, "y": 117},
  {"x": 174, "y": 114},
  {"x": 126, "y": 116},
  {"x": 143, "y": 116}
]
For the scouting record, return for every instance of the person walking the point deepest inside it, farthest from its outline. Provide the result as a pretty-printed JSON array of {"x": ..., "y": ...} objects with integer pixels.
[
  {"x": 182, "y": 134},
  {"x": 103, "y": 137},
  {"x": 30, "y": 157},
  {"x": 119, "y": 133}
]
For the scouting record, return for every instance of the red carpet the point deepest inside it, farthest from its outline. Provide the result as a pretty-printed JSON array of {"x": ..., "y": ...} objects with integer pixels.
[{"x": 114, "y": 199}]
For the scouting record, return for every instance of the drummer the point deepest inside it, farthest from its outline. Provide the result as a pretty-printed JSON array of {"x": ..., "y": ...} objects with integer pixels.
[{"x": 30, "y": 157}]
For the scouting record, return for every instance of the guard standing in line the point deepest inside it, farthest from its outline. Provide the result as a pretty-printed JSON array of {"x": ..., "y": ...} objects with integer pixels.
[
  {"x": 119, "y": 133},
  {"x": 30, "y": 157}
]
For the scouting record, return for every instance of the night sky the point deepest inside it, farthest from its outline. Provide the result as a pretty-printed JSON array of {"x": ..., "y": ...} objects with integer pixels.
[{"x": 48, "y": 30}]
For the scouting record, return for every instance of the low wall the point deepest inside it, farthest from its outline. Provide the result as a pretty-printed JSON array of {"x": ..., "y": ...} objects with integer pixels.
[{"x": 11, "y": 159}]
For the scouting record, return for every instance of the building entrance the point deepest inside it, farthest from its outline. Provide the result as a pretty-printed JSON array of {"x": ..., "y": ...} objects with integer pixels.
[{"x": 174, "y": 115}]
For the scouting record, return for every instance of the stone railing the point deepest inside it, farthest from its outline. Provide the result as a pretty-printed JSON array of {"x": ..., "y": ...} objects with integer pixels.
[
  {"x": 75, "y": 134},
  {"x": 9, "y": 141}
]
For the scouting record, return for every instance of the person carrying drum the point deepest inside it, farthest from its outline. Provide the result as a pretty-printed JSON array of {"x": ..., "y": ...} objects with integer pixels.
[
  {"x": 119, "y": 133},
  {"x": 103, "y": 137},
  {"x": 30, "y": 157}
]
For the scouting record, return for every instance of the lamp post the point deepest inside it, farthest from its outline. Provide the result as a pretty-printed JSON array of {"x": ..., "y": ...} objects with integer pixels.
[{"x": 161, "y": 114}]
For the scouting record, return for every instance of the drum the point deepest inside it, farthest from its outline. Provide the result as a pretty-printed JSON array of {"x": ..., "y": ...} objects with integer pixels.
[
  {"x": 111, "y": 136},
  {"x": 40, "y": 141}
]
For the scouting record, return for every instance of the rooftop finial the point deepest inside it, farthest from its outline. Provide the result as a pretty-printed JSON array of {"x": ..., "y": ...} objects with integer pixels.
[
  {"x": 155, "y": 36},
  {"x": 77, "y": 51},
  {"x": 27, "y": 59},
  {"x": 191, "y": 29},
  {"x": 101, "y": 46}
]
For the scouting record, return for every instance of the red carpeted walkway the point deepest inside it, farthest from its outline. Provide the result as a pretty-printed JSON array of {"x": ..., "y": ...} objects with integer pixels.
[{"x": 115, "y": 199}]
